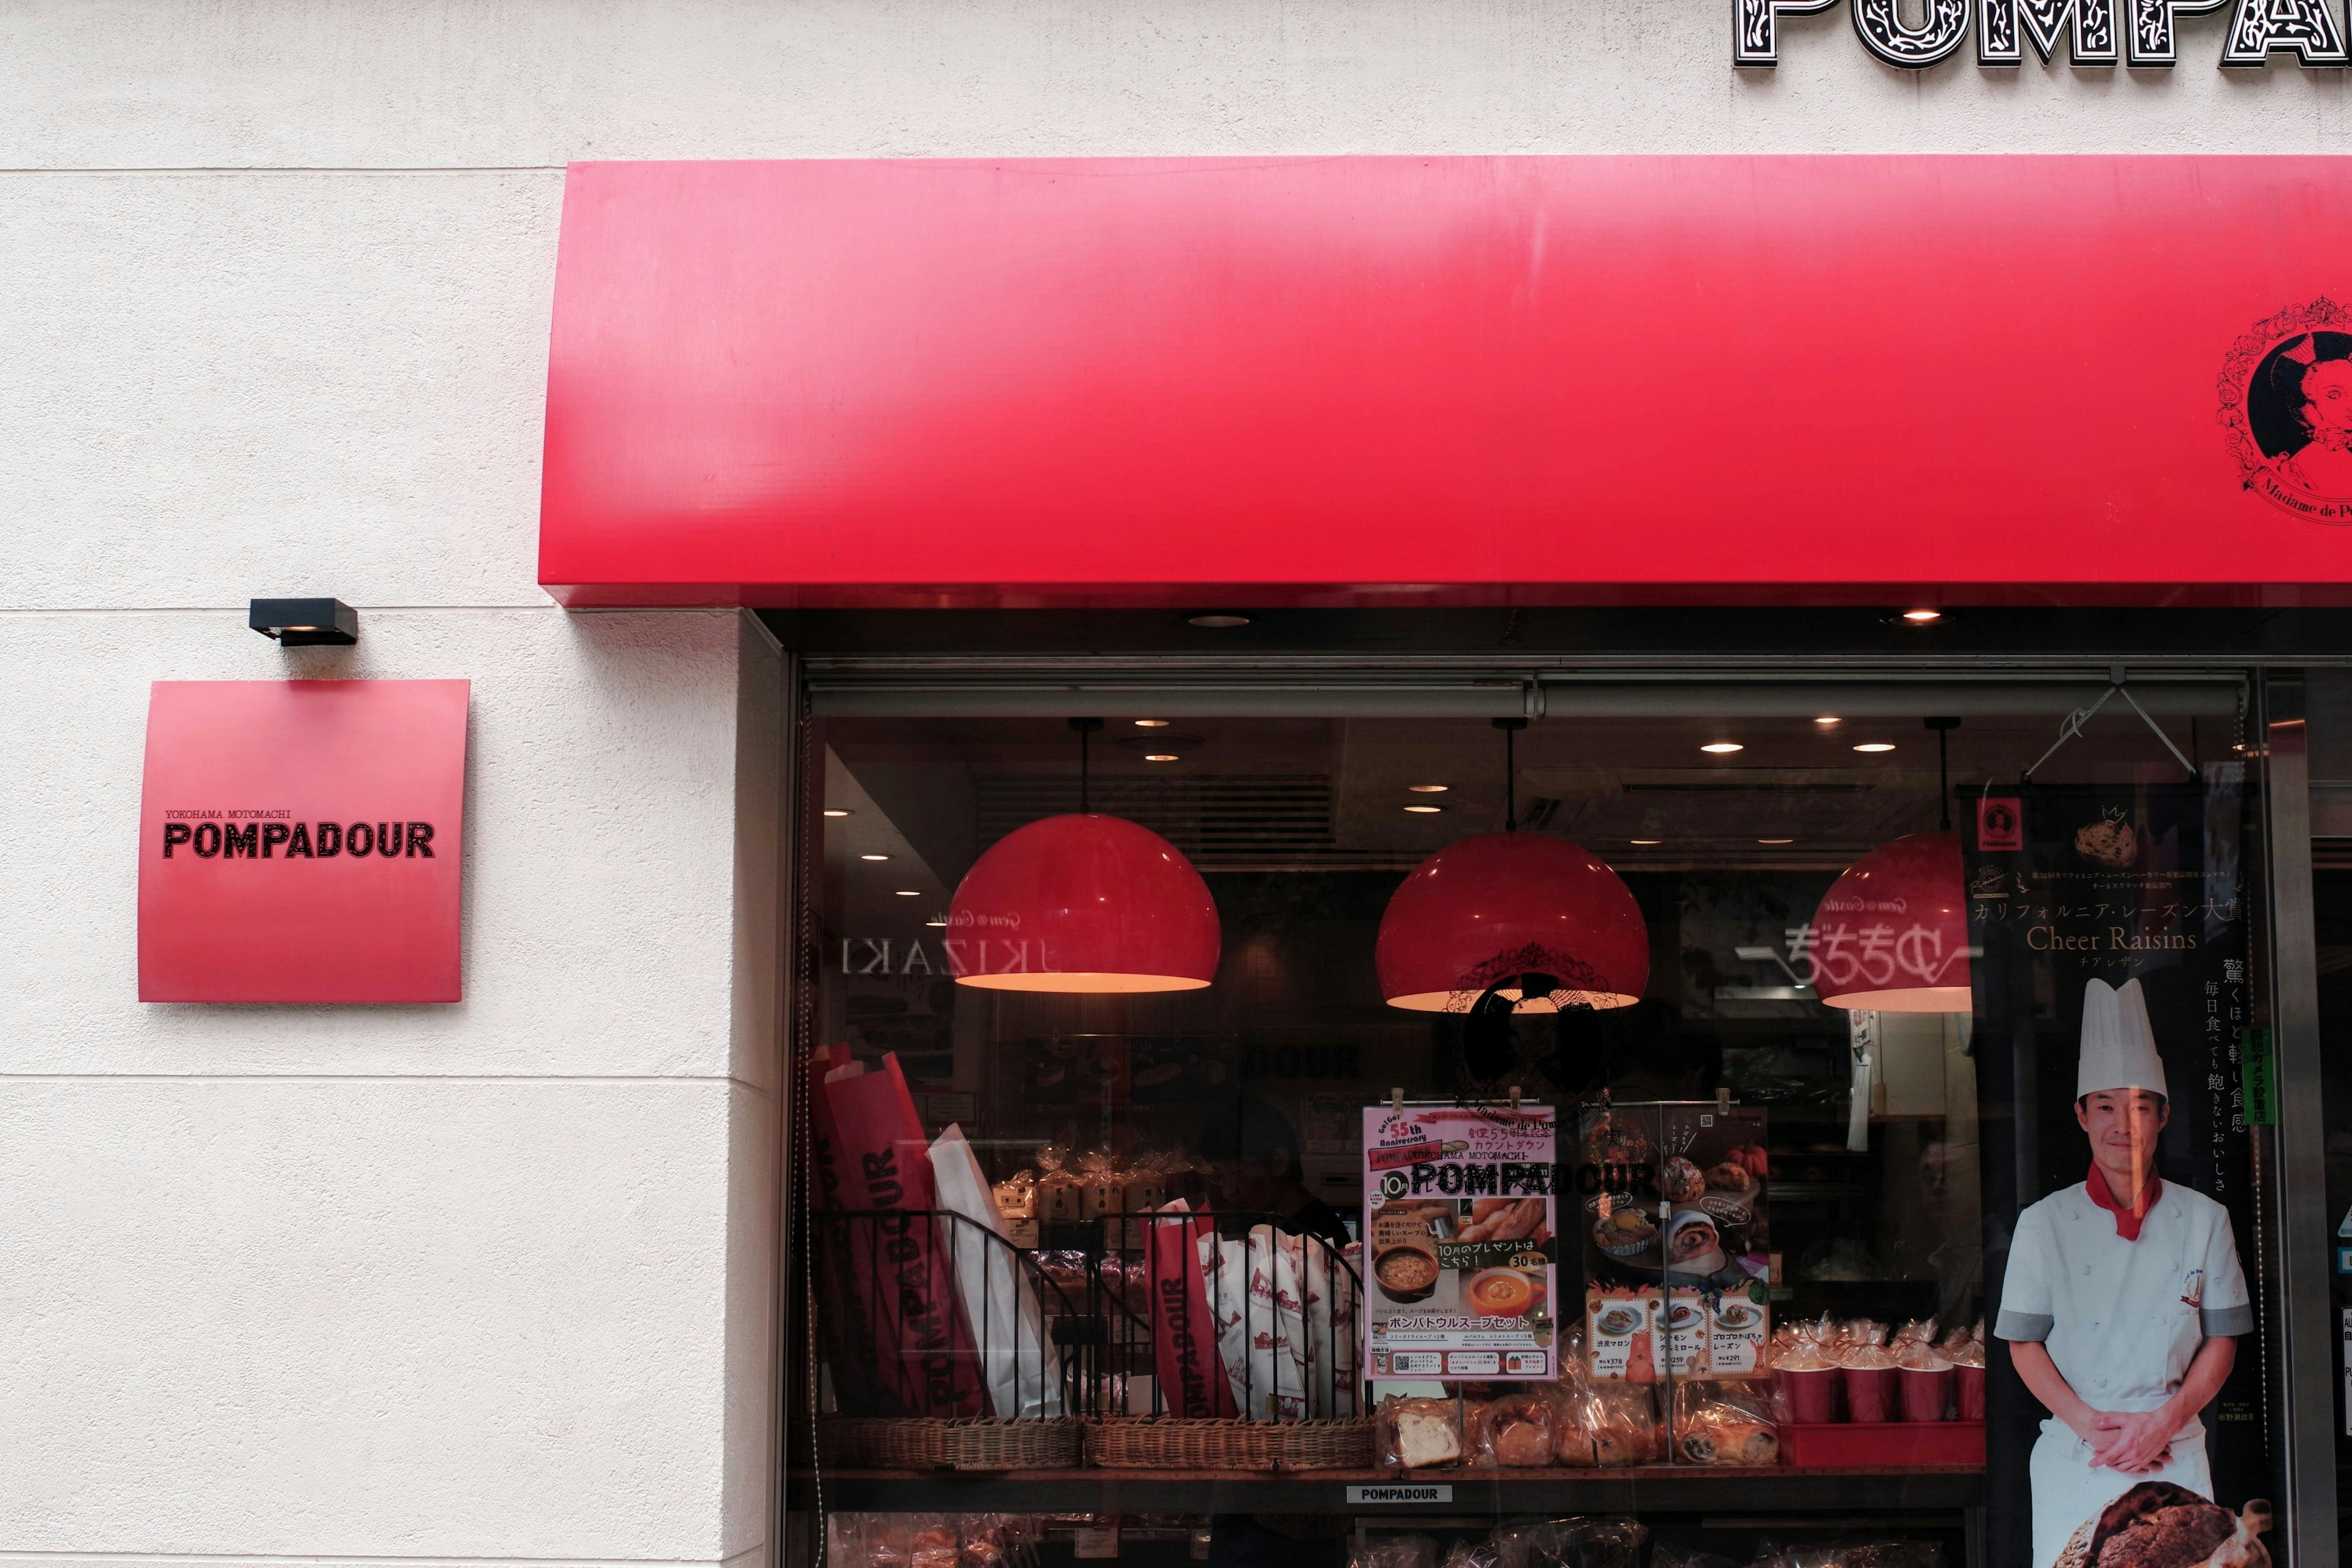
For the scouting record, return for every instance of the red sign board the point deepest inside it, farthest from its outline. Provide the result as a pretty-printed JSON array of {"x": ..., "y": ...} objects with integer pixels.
[
  {"x": 1487, "y": 379},
  {"x": 302, "y": 841}
]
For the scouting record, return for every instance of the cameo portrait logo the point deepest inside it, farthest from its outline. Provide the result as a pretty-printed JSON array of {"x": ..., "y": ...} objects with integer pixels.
[{"x": 2286, "y": 405}]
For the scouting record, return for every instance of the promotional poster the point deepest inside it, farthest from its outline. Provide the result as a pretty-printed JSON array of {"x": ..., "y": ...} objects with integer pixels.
[
  {"x": 1675, "y": 1241},
  {"x": 2111, "y": 995},
  {"x": 1461, "y": 1235}
]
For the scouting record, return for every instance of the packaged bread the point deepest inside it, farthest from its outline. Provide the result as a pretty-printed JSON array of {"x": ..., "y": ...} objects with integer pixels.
[
  {"x": 1725, "y": 1421},
  {"x": 1517, "y": 1431},
  {"x": 1060, "y": 1199},
  {"x": 1417, "y": 1434},
  {"x": 1623, "y": 1420},
  {"x": 1585, "y": 1542},
  {"x": 935, "y": 1545}
]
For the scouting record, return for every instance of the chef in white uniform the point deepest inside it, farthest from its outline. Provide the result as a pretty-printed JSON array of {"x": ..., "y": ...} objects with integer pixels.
[{"x": 2122, "y": 1296}]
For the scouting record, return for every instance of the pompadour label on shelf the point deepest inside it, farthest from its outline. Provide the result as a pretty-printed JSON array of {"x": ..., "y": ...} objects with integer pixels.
[{"x": 1359, "y": 1496}]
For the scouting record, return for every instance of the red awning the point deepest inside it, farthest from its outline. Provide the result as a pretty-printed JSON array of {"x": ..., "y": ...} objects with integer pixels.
[{"x": 1337, "y": 380}]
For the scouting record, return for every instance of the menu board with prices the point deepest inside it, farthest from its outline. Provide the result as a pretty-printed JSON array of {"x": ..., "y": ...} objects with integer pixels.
[{"x": 1461, "y": 1242}]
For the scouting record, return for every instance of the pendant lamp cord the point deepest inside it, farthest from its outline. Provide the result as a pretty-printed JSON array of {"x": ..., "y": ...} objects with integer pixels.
[
  {"x": 1944, "y": 728},
  {"x": 1086, "y": 728},
  {"x": 1510, "y": 729}
]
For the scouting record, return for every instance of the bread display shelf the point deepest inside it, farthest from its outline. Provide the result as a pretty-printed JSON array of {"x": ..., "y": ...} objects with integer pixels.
[{"x": 1649, "y": 1489}]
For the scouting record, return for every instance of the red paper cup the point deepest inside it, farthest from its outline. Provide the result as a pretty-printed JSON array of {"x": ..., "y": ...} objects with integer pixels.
[
  {"x": 1870, "y": 1393},
  {"x": 1812, "y": 1396},
  {"x": 1969, "y": 1382},
  {"x": 1926, "y": 1396}
]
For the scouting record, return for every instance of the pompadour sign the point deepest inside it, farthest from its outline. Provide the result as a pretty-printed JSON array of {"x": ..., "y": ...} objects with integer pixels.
[
  {"x": 2143, "y": 32},
  {"x": 300, "y": 841}
]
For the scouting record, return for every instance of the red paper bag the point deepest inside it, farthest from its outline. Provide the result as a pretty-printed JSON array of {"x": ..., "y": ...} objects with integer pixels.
[
  {"x": 846, "y": 1330},
  {"x": 1183, "y": 1335},
  {"x": 900, "y": 1271}
]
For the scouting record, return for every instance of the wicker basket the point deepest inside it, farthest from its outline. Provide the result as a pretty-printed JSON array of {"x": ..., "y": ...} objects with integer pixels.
[
  {"x": 1180, "y": 1443},
  {"x": 868, "y": 1443},
  {"x": 987, "y": 1445},
  {"x": 1323, "y": 1446},
  {"x": 933, "y": 1444}
]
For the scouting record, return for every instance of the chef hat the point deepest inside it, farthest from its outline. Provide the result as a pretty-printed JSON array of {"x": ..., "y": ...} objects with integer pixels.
[{"x": 2118, "y": 1045}]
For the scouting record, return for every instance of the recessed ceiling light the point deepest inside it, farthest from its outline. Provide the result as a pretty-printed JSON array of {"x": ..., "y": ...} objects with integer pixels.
[
  {"x": 909, "y": 893},
  {"x": 1424, "y": 810},
  {"x": 1645, "y": 841},
  {"x": 1151, "y": 723},
  {"x": 1875, "y": 746},
  {"x": 937, "y": 920},
  {"x": 1428, "y": 789},
  {"x": 874, "y": 856},
  {"x": 1217, "y": 620},
  {"x": 1723, "y": 748},
  {"x": 837, "y": 811},
  {"x": 1775, "y": 841},
  {"x": 1829, "y": 718},
  {"x": 1923, "y": 617},
  {"x": 1161, "y": 757}
]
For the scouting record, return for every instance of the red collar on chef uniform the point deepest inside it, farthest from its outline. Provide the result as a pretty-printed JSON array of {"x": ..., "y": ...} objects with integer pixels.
[{"x": 2127, "y": 1224}]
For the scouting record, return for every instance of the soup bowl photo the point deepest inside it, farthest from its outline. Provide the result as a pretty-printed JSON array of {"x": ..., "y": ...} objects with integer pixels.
[
  {"x": 1405, "y": 1273},
  {"x": 1503, "y": 1293}
]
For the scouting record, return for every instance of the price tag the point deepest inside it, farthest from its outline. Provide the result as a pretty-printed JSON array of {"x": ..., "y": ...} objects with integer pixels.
[{"x": 1096, "y": 1544}]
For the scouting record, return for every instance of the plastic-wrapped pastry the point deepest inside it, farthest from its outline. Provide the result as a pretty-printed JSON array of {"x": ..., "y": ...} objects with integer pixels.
[
  {"x": 1725, "y": 1422},
  {"x": 1518, "y": 1430},
  {"x": 934, "y": 1546},
  {"x": 1623, "y": 1419},
  {"x": 1418, "y": 1434}
]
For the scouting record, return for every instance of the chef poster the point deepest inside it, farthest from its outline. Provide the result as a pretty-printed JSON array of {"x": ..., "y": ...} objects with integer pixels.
[
  {"x": 2110, "y": 993},
  {"x": 1460, "y": 1241}
]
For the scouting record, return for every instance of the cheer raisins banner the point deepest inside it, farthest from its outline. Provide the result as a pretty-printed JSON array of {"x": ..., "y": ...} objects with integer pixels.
[{"x": 2068, "y": 886}]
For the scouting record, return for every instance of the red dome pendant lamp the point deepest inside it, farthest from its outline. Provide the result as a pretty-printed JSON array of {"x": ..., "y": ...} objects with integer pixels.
[
  {"x": 1521, "y": 917},
  {"x": 1083, "y": 903},
  {"x": 1891, "y": 934}
]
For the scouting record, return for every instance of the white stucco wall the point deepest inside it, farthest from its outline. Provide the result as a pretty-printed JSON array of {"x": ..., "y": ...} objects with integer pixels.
[{"x": 488, "y": 1282}]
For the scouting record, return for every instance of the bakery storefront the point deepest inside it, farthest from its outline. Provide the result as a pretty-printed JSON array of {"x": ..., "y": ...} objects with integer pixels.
[{"x": 1509, "y": 862}]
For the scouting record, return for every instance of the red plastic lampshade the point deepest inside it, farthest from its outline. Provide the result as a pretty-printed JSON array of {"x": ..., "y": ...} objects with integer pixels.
[
  {"x": 1506, "y": 904},
  {"x": 1083, "y": 902},
  {"x": 1893, "y": 932}
]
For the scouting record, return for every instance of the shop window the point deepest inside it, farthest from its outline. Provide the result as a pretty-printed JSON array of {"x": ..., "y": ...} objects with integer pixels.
[{"x": 1681, "y": 1218}]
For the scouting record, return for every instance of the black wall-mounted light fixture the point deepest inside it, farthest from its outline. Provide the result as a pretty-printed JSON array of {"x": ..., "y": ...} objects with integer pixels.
[{"x": 306, "y": 623}]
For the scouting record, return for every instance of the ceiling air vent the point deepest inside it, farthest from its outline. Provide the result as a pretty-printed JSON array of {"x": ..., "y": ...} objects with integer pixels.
[{"x": 1224, "y": 821}]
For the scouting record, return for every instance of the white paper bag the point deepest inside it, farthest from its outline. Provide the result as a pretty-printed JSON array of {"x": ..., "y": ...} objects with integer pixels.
[{"x": 1020, "y": 1369}]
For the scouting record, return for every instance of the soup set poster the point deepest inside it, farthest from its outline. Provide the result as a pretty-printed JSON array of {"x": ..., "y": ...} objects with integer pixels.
[{"x": 1462, "y": 1238}]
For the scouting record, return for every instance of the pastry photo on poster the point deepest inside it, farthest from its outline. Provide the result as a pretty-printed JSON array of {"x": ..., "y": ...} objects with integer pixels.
[{"x": 1461, "y": 1242}]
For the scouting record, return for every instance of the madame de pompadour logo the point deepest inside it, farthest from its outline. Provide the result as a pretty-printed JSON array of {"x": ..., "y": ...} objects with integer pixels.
[{"x": 2286, "y": 410}]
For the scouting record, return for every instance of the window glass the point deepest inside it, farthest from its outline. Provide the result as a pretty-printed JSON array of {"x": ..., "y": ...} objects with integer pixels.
[{"x": 1564, "y": 1116}]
